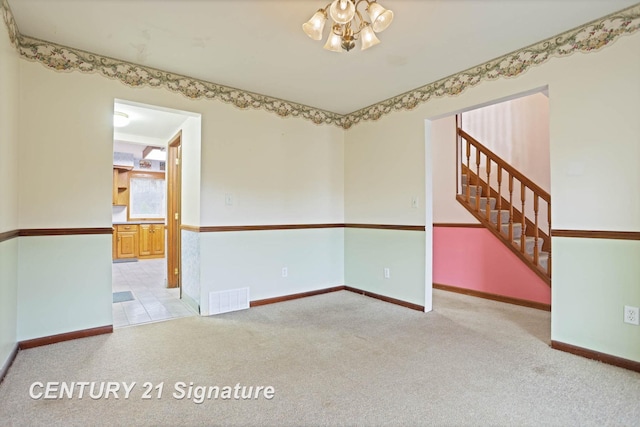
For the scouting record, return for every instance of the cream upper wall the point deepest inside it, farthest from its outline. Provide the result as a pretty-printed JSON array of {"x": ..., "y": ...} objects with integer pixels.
[
  {"x": 66, "y": 149},
  {"x": 594, "y": 131},
  {"x": 376, "y": 189},
  {"x": 384, "y": 169},
  {"x": 191, "y": 170},
  {"x": 595, "y": 139},
  {"x": 9, "y": 84},
  {"x": 278, "y": 170}
]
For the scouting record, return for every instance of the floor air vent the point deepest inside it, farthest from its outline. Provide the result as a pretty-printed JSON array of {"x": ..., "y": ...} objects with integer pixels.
[{"x": 231, "y": 300}]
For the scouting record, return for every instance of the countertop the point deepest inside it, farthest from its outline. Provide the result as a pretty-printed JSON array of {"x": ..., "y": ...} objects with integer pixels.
[{"x": 138, "y": 222}]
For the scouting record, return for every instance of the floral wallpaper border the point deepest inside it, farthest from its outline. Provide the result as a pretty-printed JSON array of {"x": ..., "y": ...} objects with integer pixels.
[
  {"x": 10, "y": 22},
  {"x": 589, "y": 37}
]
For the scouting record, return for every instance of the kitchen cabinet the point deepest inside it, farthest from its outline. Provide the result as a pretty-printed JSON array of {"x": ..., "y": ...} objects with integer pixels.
[
  {"x": 121, "y": 185},
  {"x": 126, "y": 241},
  {"x": 142, "y": 241},
  {"x": 151, "y": 240}
]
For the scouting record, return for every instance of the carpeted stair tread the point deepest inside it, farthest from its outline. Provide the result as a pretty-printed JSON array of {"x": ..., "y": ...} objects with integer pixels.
[
  {"x": 483, "y": 202},
  {"x": 531, "y": 239},
  {"x": 504, "y": 216},
  {"x": 473, "y": 190},
  {"x": 517, "y": 230},
  {"x": 543, "y": 260},
  {"x": 529, "y": 244}
]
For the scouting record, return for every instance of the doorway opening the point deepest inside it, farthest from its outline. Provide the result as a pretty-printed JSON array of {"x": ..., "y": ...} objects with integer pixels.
[
  {"x": 467, "y": 257},
  {"x": 146, "y": 216}
]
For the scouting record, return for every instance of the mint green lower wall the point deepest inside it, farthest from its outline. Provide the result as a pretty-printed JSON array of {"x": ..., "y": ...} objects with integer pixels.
[
  {"x": 230, "y": 260},
  {"x": 369, "y": 251},
  {"x": 8, "y": 298},
  {"x": 593, "y": 279},
  {"x": 64, "y": 284}
]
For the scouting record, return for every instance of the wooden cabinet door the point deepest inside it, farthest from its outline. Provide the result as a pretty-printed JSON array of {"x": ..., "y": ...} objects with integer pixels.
[
  {"x": 151, "y": 241},
  {"x": 127, "y": 244},
  {"x": 145, "y": 240},
  {"x": 120, "y": 186},
  {"x": 157, "y": 239}
]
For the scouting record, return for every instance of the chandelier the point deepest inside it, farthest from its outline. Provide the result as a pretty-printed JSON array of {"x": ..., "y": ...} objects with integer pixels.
[{"x": 349, "y": 24}]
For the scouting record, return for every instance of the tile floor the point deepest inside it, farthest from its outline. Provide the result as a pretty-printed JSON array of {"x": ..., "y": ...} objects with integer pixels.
[{"x": 153, "y": 300}]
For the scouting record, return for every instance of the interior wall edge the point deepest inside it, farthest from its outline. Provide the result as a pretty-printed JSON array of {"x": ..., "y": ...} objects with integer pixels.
[{"x": 385, "y": 298}]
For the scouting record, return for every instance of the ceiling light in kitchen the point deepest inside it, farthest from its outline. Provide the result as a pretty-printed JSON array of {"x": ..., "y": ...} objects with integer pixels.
[
  {"x": 120, "y": 119},
  {"x": 154, "y": 153}
]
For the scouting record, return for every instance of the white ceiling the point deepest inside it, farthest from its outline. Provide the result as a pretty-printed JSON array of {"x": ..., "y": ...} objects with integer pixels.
[
  {"x": 259, "y": 46},
  {"x": 147, "y": 125}
]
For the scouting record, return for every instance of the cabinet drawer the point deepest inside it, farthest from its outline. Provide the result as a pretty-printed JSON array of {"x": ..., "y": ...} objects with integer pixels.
[{"x": 127, "y": 227}]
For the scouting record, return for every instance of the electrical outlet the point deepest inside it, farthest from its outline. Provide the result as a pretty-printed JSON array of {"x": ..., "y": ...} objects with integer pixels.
[
  {"x": 228, "y": 199},
  {"x": 285, "y": 271},
  {"x": 387, "y": 273},
  {"x": 631, "y": 315}
]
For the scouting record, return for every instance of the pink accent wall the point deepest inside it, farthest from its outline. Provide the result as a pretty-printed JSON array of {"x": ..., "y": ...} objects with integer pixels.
[{"x": 473, "y": 258}]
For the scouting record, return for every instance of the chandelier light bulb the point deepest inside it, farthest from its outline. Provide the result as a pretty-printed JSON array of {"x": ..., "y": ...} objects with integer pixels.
[
  {"x": 314, "y": 26},
  {"x": 368, "y": 38},
  {"x": 380, "y": 17},
  {"x": 342, "y": 11},
  {"x": 334, "y": 43}
]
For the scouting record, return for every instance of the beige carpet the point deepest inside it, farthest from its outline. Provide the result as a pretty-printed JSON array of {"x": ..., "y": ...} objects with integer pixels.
[{"x": 334, "y": 359}]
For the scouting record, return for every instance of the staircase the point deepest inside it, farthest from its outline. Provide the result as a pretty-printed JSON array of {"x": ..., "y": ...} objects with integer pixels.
[{"x": 500, "y": 210}]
